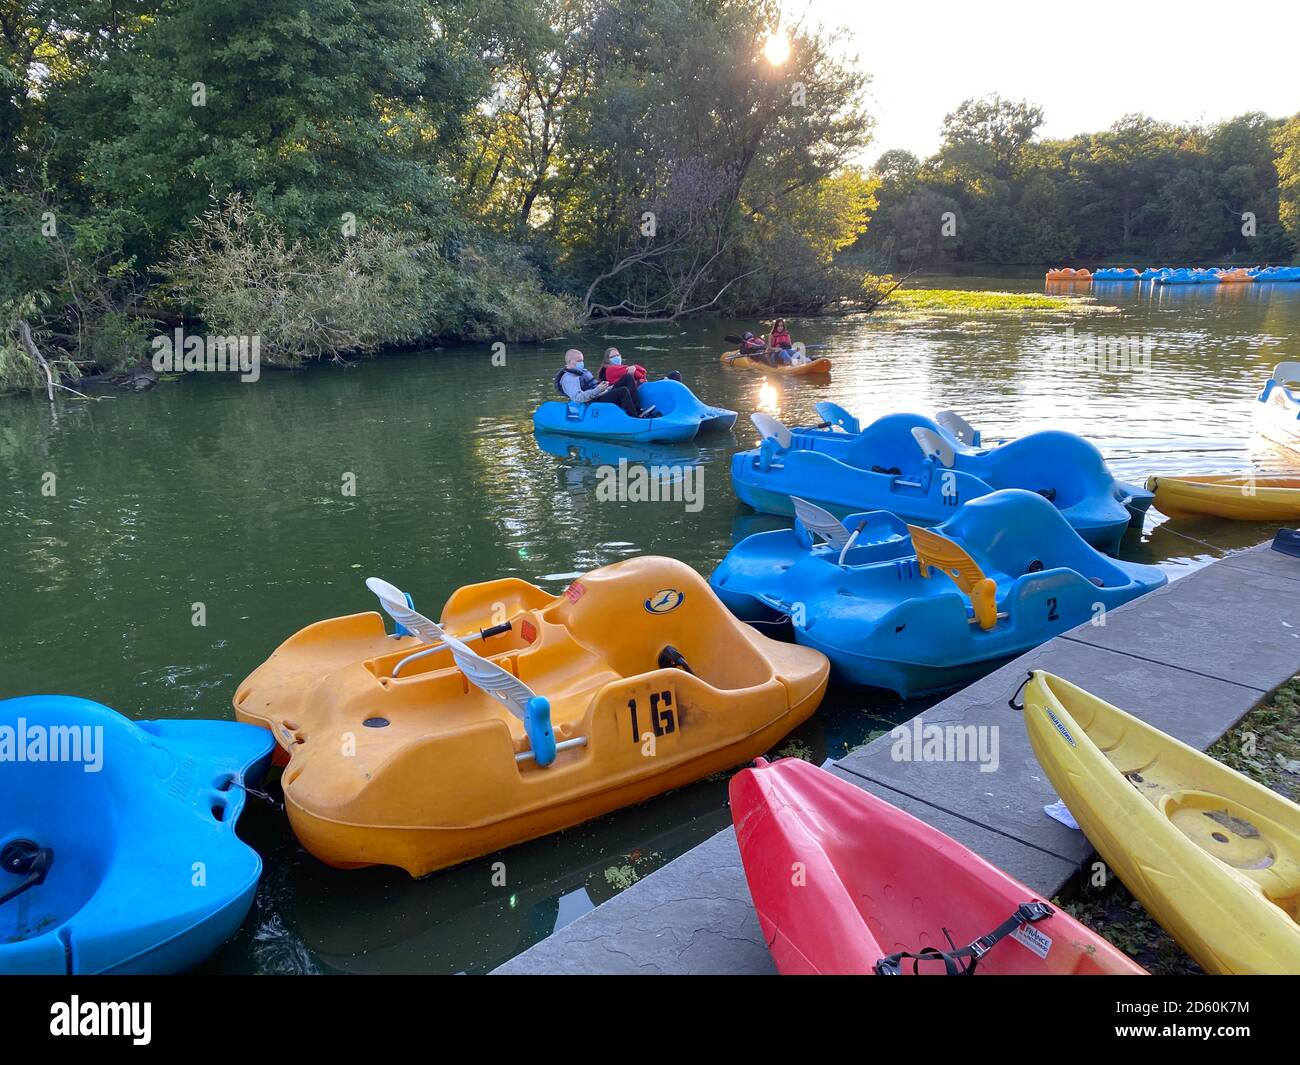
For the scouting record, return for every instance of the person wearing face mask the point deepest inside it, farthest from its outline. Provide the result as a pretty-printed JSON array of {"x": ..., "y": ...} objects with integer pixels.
[
  {"x": 613, "y": 369},
  {"x": 578, "y": 385}
]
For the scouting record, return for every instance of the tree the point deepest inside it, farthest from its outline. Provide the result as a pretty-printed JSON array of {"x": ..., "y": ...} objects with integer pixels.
[
  {"x": 673, "y": 161},
  {"x": 1286, "y": 143},
  {"x": 988, "y": 135}
]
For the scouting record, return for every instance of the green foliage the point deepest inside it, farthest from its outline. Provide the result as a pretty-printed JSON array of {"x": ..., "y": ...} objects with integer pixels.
[
  {"x": 495, "y": 294},
  {"x": 1286, "y": 143},
  {"x": 19, "y": 371},
  {"x": 115, "y": 341},
  {"x": 1265, "y": 744},
  {"x": 1140, "y": 192},
  {"x": 663, "y": 108},
  {"x": 394, "y": 170},
  {"x": 243, "y": 274},
  {"x": 494, "y": 159}
]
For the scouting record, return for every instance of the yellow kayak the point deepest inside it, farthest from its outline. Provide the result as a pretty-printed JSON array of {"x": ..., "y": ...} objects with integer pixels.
[
  {"x": 1213, "y": 856},
  {"x": 1228, "y": 496},
  {"x": 813, "y": 368},
  {"x": 397, "y": 757}
]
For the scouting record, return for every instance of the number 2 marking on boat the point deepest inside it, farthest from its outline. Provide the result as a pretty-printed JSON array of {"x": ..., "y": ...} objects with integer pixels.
[
  {"x": 1052, "y": 615},
  {"x": 662, "y": 719}
]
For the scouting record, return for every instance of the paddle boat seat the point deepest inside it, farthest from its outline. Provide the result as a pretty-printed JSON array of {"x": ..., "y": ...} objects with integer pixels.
[
  {"x": 1277, "y": 407},
  {"x": 935, "y": 551}
]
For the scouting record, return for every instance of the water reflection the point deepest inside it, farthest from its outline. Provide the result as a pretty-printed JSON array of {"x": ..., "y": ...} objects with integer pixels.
[{"x": 205, "y": 490}]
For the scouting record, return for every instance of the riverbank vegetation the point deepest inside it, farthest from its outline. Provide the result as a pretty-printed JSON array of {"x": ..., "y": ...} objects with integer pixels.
[
  {"x": 361, "y": 173},
  {"x": 366, "y": 173},
  {"x": 1141, "y": 193}
]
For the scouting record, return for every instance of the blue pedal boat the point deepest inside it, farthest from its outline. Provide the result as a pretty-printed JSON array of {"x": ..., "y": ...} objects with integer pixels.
[
  {"x": 918, "y": 610},
  {"x": 118, "y": 851},
  {"x": 681, "y": 416},
  {"x": 912, "y": 466}
]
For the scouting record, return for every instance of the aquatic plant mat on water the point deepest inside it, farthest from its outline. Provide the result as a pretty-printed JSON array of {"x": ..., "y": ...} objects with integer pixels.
[
  {"x": 1265, "y": 746},
  {"x": 911, "y": 302}
]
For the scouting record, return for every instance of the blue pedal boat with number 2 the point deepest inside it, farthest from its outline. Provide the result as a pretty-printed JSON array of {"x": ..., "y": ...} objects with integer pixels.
[{"x": 919, "y": 610}]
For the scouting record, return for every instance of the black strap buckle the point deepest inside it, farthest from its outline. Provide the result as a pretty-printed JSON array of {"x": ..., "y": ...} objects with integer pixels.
[
  {"x": 954, "y": 961},
  {"x": 1035, "y": 911}
]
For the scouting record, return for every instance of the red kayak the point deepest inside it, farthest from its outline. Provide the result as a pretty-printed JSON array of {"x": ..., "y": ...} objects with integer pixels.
[{"x": 843, "y": 882}]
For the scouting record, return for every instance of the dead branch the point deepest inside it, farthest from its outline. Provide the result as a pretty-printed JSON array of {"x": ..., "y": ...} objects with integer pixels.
[{"x": 25, "y": 335}]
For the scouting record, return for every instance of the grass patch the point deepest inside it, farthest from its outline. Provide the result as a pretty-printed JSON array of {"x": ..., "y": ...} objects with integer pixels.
[
  {"x": 963, "y": 301},
  {"x": 1265, "y": 746}
]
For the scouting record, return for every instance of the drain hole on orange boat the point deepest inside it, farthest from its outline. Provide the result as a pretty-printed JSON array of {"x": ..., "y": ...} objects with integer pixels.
[
  {"x": 376, "y": 722},
  {"x": 288, "y": 726},
  {"x": 1218, "y": 837}
]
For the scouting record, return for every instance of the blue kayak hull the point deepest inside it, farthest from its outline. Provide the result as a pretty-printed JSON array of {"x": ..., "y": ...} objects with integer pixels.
[
  {"x": 147, "y": 872},
  {"x": 682, "y": 417}
]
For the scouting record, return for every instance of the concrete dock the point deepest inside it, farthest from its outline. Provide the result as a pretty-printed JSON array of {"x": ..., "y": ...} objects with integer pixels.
[{"x": 1191, "y": 658}]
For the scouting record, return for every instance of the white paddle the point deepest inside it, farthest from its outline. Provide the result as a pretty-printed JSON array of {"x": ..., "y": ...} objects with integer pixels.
[{"x": 532, "y": 709}]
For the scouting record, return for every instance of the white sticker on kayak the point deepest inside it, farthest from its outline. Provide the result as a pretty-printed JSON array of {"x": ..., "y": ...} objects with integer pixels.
[
  {"x": 1061, "y": 728},
  {"x": 1029, "y": 936}
]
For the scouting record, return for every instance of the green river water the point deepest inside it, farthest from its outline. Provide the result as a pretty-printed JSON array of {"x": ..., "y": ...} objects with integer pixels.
[{"x": 206, "y": 490}]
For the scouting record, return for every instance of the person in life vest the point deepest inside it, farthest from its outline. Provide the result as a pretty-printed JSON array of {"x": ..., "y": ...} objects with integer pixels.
[
  {"x": 613, "y": 368},
  {"x": 779, "y": 346},
  {"x": 578, "y": 385},
  {"x": 752, "y": 345}
]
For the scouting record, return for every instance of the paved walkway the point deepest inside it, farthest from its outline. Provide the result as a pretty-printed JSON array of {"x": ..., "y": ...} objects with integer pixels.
[{"x": 1191, "y": 658}]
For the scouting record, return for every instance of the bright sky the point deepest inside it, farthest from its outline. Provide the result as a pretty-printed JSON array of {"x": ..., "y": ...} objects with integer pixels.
[{"x": 1085, "y": 63}]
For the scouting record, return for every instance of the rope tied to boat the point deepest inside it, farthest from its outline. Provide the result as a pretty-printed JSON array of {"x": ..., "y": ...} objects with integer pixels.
[
  {"x": 963, "y": 961},
  {"x": 1164, "y": 527},
  {"x": 256, "y": 793}
]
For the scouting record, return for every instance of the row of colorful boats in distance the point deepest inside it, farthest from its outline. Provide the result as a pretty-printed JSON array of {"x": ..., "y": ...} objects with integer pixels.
[
  {"x": 1185, "y": 275},
  {"x": 918, "y": 560}
]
